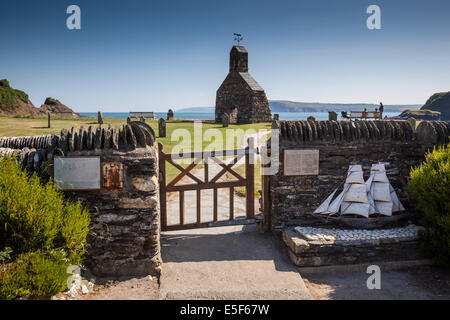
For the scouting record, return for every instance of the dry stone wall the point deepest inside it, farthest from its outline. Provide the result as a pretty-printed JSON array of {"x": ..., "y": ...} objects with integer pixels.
[
  {"x": 125, "y": 218},
  {"x": 340, "y": 143}
]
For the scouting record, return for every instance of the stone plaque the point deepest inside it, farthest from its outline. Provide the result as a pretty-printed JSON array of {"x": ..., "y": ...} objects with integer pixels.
[
  {"x": 77, "y": 173},
  {"x": 301, "y": 162}
]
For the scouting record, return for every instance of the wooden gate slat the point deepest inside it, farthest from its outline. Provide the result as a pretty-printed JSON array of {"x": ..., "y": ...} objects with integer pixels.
[
  {"x": 181, "y": 207},
  {"x": 215, "y": 204},
  {"x": 184, "y": 172},
  {"x": 227, "y": 167},
  {"x": 250, "y": 178},
  {"x": 198, "y": 206},
  {"x": 206, "y": 165},
  {"x": 231, "y": 203}
]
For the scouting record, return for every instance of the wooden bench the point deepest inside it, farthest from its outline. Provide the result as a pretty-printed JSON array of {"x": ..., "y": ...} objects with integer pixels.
[
  {"x": 364, "y": 115},
  {"x": 145, "y": 115}
]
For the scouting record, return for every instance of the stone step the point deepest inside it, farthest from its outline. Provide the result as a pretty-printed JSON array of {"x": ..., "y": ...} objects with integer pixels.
[{"x": 317, "y": 253}]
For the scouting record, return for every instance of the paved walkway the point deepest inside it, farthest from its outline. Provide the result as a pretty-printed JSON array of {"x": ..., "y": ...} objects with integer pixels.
[{"x": 233, "y": 262}]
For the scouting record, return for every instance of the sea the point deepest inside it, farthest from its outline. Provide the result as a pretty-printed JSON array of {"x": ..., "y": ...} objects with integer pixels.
[{"x": 210, "y": 115}]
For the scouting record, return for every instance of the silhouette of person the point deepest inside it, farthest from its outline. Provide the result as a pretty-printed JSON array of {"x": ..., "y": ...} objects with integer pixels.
[{"x": 381, "y": 110}]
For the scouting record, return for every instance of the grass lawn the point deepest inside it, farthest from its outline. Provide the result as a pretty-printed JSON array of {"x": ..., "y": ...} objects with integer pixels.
[{"x": 180, "y": 136}]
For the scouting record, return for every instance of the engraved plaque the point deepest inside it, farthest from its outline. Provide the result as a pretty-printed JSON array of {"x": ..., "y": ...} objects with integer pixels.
[
  {"x": 77, "y": 173},
  {"x": 302, "y": 162}
]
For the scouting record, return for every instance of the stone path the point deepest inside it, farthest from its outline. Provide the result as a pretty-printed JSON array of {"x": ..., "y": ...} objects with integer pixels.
[{"x": 233, "y": 262}]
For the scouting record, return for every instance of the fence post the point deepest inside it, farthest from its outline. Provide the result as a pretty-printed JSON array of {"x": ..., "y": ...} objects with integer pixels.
[
  {"x": 265, "y": 198},
  {"x": 250, "y": 178},
  {"x": 162, "y": 186},
  {"x": 48, "y": 119}
]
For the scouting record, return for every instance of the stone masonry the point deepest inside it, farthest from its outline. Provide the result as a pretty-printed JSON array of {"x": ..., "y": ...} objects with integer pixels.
[
  {"x": 124, "y": 235},
  {"x": 240, "y": 96},
  {"x": 341, "y": 143}
]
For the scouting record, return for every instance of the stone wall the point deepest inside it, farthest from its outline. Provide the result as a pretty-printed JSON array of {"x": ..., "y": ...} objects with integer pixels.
[
  {"x": 340, "y": 143},
  {"x": 304, "y": 253},
  {"x": 125, "y": 219}
]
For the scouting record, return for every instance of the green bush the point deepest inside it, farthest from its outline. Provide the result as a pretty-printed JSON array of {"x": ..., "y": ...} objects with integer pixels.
[
  {"x": 430, "y": 185},
  {"x": 35, "y": 275},
  {"x": 39, "y": 231},
  {"x": 35, "y": 217}
]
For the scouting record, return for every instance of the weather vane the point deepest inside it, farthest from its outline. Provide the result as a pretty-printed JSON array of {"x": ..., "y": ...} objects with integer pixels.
[{"x": 238, "y": 37}]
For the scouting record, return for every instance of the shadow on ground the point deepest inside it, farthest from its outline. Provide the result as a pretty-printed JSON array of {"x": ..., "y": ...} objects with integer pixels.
[
  {"x": 238, "y": 243},
  {"x": 233, "y": 262}
]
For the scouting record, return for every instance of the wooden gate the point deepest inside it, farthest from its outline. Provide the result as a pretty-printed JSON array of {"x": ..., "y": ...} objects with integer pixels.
[{"x": 207, "y": 183}]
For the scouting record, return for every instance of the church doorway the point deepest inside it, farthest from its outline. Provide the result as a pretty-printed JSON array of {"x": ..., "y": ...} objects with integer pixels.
[{"x": 233, "y": 113}]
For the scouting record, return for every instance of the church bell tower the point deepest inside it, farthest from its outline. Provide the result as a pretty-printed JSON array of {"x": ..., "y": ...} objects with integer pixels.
[{"x": 238, "y": 59}]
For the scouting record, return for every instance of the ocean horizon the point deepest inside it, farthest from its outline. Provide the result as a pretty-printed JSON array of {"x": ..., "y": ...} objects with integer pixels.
[{"x": 210, "y": 115}]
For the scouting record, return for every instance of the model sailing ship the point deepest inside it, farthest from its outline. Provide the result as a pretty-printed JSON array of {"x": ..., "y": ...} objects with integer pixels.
[{"x": 363, "y": 198}]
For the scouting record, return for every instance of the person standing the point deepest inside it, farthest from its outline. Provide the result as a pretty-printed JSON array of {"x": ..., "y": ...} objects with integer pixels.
[{"x": 381, "y": 110}]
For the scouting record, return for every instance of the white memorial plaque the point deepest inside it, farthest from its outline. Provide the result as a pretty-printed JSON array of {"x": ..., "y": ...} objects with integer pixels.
[
  {"x": 77, "y": 173},
  {"x": 301, "y": 162}
]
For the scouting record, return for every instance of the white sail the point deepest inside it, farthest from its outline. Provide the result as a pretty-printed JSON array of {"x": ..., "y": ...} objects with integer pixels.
[
  {"x": 356, "y": 193},
  {"x": 384, "y": 208},
  {"x": 354, "y": 177},
  {"x": 380, "y": 176},
  {"x": 336, "y": 204},
  {"x": 397, "y": 205},
  {"x": 372, "y": 208},
  {"x": 378, "y": 167},
  {"x": 361, "y": 209},
  {"x": 369, "y": 182},
  {"x": 323, "y": 208},
  {"x": 381, "y": 192},
  {"x": 355, "y": 168}
]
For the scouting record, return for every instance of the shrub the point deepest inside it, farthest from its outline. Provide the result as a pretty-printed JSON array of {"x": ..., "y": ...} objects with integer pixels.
[
  {"x": 35, "y": 217},
  {"x": 430, "y": 185},
  {"x": 35, "y": 275},
  {"x": 5, "y": 255}
]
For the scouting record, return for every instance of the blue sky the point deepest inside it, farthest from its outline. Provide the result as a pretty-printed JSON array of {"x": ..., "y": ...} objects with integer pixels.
[{"x": 155, "y": 55}]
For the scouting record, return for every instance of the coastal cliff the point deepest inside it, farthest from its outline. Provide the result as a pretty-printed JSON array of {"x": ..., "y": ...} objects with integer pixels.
[{"x": 14, "y": 102}]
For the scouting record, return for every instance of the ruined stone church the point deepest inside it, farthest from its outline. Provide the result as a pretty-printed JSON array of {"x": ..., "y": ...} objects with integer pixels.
[{"x": 240, "y": 96}]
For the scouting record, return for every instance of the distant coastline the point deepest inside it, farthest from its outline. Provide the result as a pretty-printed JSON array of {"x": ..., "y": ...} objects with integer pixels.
[
  {"x": 210, "y": 115},
  {"x": 278, "y": 106}
]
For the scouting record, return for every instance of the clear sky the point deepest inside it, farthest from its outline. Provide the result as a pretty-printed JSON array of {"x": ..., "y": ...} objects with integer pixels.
[{"x": 154, "y": 55}]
